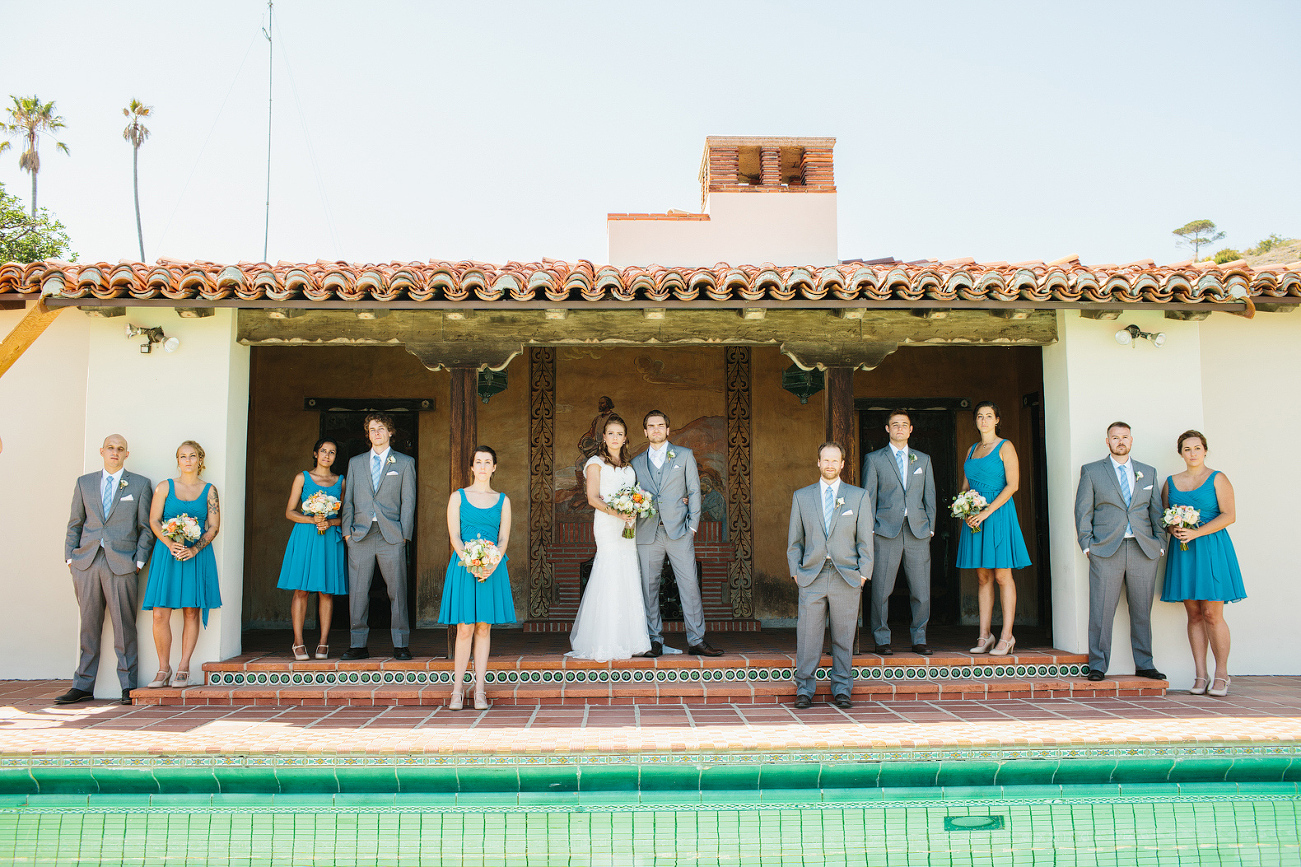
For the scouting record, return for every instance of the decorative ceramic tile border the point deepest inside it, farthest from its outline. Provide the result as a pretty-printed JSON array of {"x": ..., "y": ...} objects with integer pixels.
[
  {"x": 546, "y": 677},
  {"x": 945, "y": 754}
]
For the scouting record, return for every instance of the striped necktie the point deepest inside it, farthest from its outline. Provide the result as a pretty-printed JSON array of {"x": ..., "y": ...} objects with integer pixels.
[
  {"x": 375, "y": 466},
  {"x": 903, "y": 472},
  {"x": 107, "y": 496},
  {"x": 826, "y": 508}
]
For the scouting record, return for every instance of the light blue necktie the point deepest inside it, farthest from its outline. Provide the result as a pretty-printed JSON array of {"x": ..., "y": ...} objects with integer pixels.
[
  {"x": 903, "y": 472},
  {"x": 374, "y": 472},
  {"x": 108, "y": 495},
  {"x": 826, "y": 508},
  {"x": 1127, "y": 493}
]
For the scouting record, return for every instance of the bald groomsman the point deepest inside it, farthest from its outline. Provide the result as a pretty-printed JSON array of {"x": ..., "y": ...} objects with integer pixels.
[{"x": 107, "y": 545}]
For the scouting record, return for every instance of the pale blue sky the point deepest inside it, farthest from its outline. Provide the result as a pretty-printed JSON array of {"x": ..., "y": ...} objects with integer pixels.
[{"x": 507, "y": 131}]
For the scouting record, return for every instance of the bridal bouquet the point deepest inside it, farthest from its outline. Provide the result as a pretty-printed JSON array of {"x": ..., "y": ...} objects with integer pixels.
[
  {"x": 480, "y": 558},
  {"x": 321, "y": 504},
  {"x": 183, "y": 529},
  {"x": 1181, "y": 516},
  {"x": 966, "y": 504},
  {"x": 631, "y": 501}
]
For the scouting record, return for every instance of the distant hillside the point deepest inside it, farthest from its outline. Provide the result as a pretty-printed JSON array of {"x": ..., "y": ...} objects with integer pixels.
[{"x": 1284, "y": 254}]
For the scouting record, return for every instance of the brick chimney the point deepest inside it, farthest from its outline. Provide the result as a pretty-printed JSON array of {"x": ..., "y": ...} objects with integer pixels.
[{"x": 766, "y": 164}]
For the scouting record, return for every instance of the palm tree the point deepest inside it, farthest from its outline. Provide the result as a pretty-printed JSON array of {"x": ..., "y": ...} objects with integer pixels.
[
  {"x": 28, "y": 118},
  {"x": 136, "y": 133}
]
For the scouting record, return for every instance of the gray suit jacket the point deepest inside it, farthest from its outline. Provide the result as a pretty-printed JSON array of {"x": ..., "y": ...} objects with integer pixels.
[
  {"x": 394, "y": 502},
  {"x": 889, "y": 498},
  {"x": 677, "y": 478},
  {"x": 849, "y": 544},
  {"x": 126, "y": 534},
  {"x": 1101, "y": 516}
]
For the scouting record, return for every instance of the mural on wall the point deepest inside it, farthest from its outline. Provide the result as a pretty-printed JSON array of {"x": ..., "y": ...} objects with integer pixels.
[{"x": 659, "y": 381}]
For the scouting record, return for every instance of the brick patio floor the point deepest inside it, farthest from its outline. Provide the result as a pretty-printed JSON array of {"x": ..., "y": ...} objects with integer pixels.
[{"x": 1261, "y": 709}]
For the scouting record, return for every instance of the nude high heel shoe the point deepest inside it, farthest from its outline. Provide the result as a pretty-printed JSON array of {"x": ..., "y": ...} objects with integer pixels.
[
  {"x": 161, "y": 679},
  {"x": 457, "y": 701},
  {"x": 983, "y": 644},
  {"x": 1196, "y": 690},
  {"x": 1222, "y": 691},
  {"x": 1000, "y": 650}
]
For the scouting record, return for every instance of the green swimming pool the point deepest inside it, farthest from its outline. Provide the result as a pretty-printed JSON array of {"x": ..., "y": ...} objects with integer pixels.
[{"x": 1182, "y": 807}]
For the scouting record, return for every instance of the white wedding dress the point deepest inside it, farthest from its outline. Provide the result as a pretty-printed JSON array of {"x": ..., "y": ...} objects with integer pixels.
[{"x": 611, "y": 621}]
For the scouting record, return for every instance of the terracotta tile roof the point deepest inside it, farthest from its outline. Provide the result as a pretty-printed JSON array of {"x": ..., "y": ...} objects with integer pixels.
[{"x": 878, "y": 281}]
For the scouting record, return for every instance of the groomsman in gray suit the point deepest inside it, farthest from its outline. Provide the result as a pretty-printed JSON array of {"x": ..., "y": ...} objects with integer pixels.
[
  {"x": 107, "y": 545},
  {"x": 830, "y": 557},
  {"x": 669, "y": 473},
  {"x": 900, "y": 484},
  {"x": 1118, "y": 516},
  {"x": 379, "y": 516}
]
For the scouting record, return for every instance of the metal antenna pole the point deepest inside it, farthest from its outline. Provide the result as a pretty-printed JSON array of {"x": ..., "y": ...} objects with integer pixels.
[{"x": 266, "y": 234}]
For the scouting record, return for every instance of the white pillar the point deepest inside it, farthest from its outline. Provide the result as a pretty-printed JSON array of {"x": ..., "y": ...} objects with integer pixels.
[
  {"x": 156, "y": 401},
  {"x": 1090, "y": 380}
]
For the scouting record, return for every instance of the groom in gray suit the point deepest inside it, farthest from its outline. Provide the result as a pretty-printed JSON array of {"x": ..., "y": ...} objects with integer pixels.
[
  {"x": 1118, "y": 516},
  {"x": 829, "y": 552},
  {"x": 379, "y": 516},
  {"x": 670, "y": 475},
  {"x": 900, "y": 484},
  {"x": 107, "y": 545}
]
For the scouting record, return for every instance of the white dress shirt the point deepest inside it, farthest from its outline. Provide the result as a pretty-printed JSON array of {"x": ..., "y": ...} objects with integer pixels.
[
  {"x": 1128, "y": 469},
  {"x": 657, "y": 455}
]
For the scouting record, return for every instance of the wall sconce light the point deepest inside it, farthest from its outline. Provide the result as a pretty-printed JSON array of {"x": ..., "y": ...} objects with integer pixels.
[
  {"x": 803, "y": 383},
  {"x": 152, "y": 336},
  {"x": 490, "y": 382},
  {"x": 1130, "y": 333}
]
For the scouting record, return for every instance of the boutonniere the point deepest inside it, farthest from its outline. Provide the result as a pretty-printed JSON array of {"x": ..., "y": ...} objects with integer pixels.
[
  {"x": 912, "y": 457},
  {"x": 840, "y": 502},
  {"x": 392, "y": 460},
  {"x": 672, "y": 454},
  {"x": 121, "y": 486},
  {"x": 1137, "y": 475}
]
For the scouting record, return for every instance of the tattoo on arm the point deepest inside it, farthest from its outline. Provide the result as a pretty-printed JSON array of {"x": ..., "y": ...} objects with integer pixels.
[{"x": 213, "y": 523}]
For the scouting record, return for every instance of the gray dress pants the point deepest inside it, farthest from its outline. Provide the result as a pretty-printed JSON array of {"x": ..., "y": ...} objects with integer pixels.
[
  {"x": 363, "y": 555},
  {"x": 828, "y": 597},
  {"x": 99, "y": 590}
]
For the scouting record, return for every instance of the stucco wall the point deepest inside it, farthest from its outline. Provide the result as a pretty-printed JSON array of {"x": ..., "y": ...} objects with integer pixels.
[{"x": 782, "y": 228}]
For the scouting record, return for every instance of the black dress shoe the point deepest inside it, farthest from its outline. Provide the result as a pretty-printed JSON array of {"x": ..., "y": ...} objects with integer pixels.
[
  {"x": 802, "y": 702},
  {"x": 843, "y": 702},
  {"x": 126, "y": 696},
  {"x": 656, "y": 651},
  {"x": 1097, "y": 675},
  {"x": 923, "y": 649},
  {"x": 356, "y": 653},
  {"x": 402, "y": 653},
  {"x": 885, "y": 650},
  {"x": 73, "y": 696},
  {"x": 1150, "y": 674},
  {"x": 703, "y": 649}
]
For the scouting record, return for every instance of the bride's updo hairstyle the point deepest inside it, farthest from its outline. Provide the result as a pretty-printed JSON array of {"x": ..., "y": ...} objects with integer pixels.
[{"x": 602, "y": 451}]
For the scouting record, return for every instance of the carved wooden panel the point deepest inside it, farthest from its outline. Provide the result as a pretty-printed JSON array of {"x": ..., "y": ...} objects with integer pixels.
[
  {"x": 740, "y": 525},
  {"x": 542, "y": 453}
]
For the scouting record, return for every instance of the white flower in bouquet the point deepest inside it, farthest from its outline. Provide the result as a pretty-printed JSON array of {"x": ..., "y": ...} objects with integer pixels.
[
  {"x": 480, "y": 557},
  {"x": 321, "y": 504},
  {"x": 183, "y": 529},
  {"x": 1181, "y": 516},
  {"x": 631, "y": 501},
  {"x": 966, "y": 504}
]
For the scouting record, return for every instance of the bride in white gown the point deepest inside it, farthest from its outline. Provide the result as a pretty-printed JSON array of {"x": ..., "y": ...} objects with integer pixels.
[{"x": 611, "y": 621}]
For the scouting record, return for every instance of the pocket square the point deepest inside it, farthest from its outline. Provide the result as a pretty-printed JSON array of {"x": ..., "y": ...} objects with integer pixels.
[
  {"x": 846, "y": 512},
  {"x": 124, "y": 499},
  {"x": 392, "y": 472},
  {"x": 1148, "y": 488},
  {"x": 917, "y": 472}
]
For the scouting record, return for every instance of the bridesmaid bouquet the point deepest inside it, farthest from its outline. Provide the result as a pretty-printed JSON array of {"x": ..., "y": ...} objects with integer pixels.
[
  {"x": 321, "y": 504},
  {"x": 1181, "y": 516},
  {"x": 631, "y": 501},
  {"x": 966, "y": 504},
  {"x": 183, "y": 529},
  {"x": 480, "y": 558}
]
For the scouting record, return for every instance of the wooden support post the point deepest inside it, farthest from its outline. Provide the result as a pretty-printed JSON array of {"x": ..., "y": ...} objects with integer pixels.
[
  {"x": 25, "y": 333},
  {"x": 464, "y": 410},
  {"x": 839, "y": 403}
]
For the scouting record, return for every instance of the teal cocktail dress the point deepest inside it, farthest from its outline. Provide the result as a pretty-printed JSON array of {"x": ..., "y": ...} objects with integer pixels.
[
  {"x": 999, "y": 544},
  {"x": 316, "y": 562},
  {"x": 465, "y": 599},
  {"x": 183, "y": 584},
  {"x": 1208, "y": 570}
]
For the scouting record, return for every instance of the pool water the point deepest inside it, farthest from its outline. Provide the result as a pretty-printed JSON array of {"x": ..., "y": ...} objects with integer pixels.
[{"x": 1219, "y": 824}]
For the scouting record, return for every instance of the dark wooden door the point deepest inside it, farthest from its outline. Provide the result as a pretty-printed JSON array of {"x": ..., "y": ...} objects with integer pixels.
[
  {"x": 346, "y": 428},
  {"x": 934, "y": 426}
]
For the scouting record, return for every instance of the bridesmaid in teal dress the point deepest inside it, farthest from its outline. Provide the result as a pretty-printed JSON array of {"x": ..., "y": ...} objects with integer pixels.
[
  {"x": 991, "y": 542},
  {"x": 315, "y": 559},
  {"x": 1205, "y": 576},
  {"x": 474, "y": 600},
  {"x": 182, "y": 576}
]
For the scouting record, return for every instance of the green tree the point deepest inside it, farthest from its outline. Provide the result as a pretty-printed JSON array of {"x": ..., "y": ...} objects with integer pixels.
[
  {"x": 1198, "y": 234},
  {"x": 28, "y": 239},
  {"x": 28, "y": 118},
  {"x": 136, "y": 133},
  {"x": 1228, "y": 254}
]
